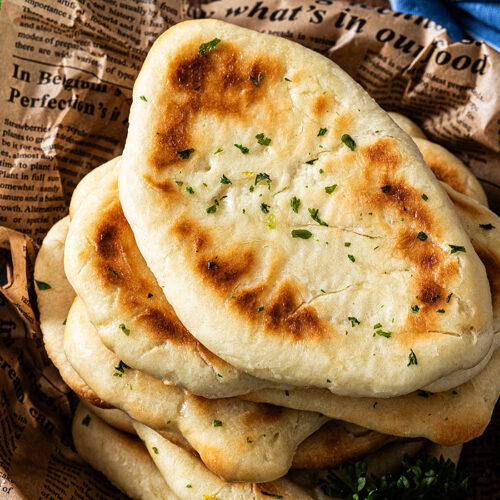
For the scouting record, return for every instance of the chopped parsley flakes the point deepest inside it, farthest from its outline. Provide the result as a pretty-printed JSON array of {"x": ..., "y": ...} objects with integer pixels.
[
  {"x": 315, "y": 216},
  {"x": 179, "y": 183},
  {"x": 353, "y": 321},
  {"x": 185, "y": 153},
  {"x": 424, "y": 197},
  {"x": 348, "y": 141},
  {"x": 347, "y": 244},
  {"x": 351, "y": 258},
  {"x": 386, "y": 188},
  {"x": 488, "y": 227},
  {"x": 217, "y": 423},
  {"x": 121, "y": 367},
  {"x": 322, "y": 131},
  {"x": 415, "y": 308},
  {"x": 421, "y": 236},
  {"x": 219, "y": 150},
  {"x": 257, "y": 81},
  {"x": 143, "y": 98},
  {"x": 155, "y": 449},
  {"x": 264, "y": 208},
  {"x": 301, "y": 233},
  {"x": 311, "y": 162},
  {"x": 243, "y": 149},
  {"x": 208, "y": 46},
  {"x": 412, "y": 359},
  {"x": 212, "y": 209},
  {"x": 124, "y": 329},
  {"x": 331, "y": 189},
  {"x": 448, "y": 298},
  {"x": 295, "y": 204},
  {"x": 442, "y": 311},
  {"x": 225, "y": 180},
  {"x": 263, "y": 176},
  {"x": 112, "y": 271},
  {"x": 387, "y": 335},
  {"x": 86, "y": 421},
  {"x": 263, "y": 140},
  {"x": 42, "y": 285},
  {"x": 189, "y": 189},
  {"x": 455, "y": 249}
]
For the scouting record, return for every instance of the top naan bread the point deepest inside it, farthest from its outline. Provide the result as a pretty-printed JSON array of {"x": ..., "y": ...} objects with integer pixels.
[{"x": 359, "y": 307}]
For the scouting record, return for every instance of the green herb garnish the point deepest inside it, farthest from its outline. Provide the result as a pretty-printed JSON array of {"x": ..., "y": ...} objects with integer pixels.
[
  {"x": 311, "y": 162},
  {"x": 348, "y": 141},
  {"x": 111, "y": 270},
  {"x": 273, "y": 495},
  {"x": 143, "y": 98},
  {"x": 217, "y": 423},
  {"x": 185, "y": 153},
  {"x": 295, "y": 204},
  {"x": 315, "y": 216},
  {"x": 353, "y": 321},
  {"x": 124, "y": 329},
  {"x": 179, "y": 183},
  {"x": 86, "y": 421},
  {"x": 415, "y": 308},
  {"x": 225, "y": 180},
  {"x": 263, "y": 140},
  {"x": 189, "y": 189},
  {"x": 287, "y": 79},
  {"x": 351, "y": 258},
  {"x": 301, "y": 233},
  {"x": 331, "y": 189},
  {"x": 387, "y": 335},
  {"x": 42, "y": 285},
  {"x": 263, "y": 176},
  {"x": 155, "y": 449},
  {"x": 442, "y": 311},
  {"x": 487, "y": 226},
  {"x": 448, "y": 298},
  {"x": 425, "y": 197},
  {"x": 322, "y": 131},
  {"x": 455, "y": 248},
  {"x": 264, "y": 208},
  {"x": 219, "y": 150},
  {"x": 386, "y": 188},
  {"x": 243, "y": 149},
  {"x": 421, "y": 236},
  {"x": 212, "y": 209},
  {"x": 423, "y": 477},
  {"x": 208, "y": 46},
  {"x": 412, "y": 358}
]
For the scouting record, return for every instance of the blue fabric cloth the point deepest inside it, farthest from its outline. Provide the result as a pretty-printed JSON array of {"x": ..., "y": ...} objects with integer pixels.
[{"x": 471, "y": 20}]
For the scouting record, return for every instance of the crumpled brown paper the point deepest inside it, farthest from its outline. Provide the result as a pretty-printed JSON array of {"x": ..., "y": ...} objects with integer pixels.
[{"x": 68, "y": 68}]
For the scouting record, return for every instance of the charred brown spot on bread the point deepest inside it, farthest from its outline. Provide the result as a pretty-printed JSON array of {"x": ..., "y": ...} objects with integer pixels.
[
  {"x": 284, "y": 315},
  {"x": 320, "y": 104},
  {"x": 431, "y": 293},
  {"x": 164, "y": 324},
  {"x": 166, "y": 186},
  {"x": 225, "y": 271},
  {"x": 188, "y": 231},
  {"x": 283, "y": 305},
  {"x": 247, "y": 300},
  {"x": 446, "y": 173},
  {"x": 262, "y": 413},
  {"x": 382, "y": 153},
  {"x": 224, "y": 82}
]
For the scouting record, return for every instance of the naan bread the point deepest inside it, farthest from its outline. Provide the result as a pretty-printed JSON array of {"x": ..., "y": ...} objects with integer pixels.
[
  {"x": 485, "y": 237},
  {"x": 120, "y": 457},
  {"x": 238, "y": 440},
  {"x": 239, "y": 281},
  {"x": 54, "y": 298},
  {"x": 108, "y": 272},
  {"x": 447, "y": 418},
  {"x": 90, "y": 183},
  {"x": 188, "y": 477},
  {"x": 408, "y": 125},
  {"x": 449, "y": 169}
]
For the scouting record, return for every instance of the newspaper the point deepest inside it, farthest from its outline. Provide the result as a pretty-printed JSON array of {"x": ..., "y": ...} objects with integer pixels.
[{"x": 68, "y": 68}]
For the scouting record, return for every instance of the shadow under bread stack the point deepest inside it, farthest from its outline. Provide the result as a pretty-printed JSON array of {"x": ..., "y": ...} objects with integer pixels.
[{"x": 270, "y": 281}]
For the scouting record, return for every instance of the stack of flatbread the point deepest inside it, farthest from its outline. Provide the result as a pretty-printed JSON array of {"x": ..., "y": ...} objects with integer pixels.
[{"x": 270, "y": 279}]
